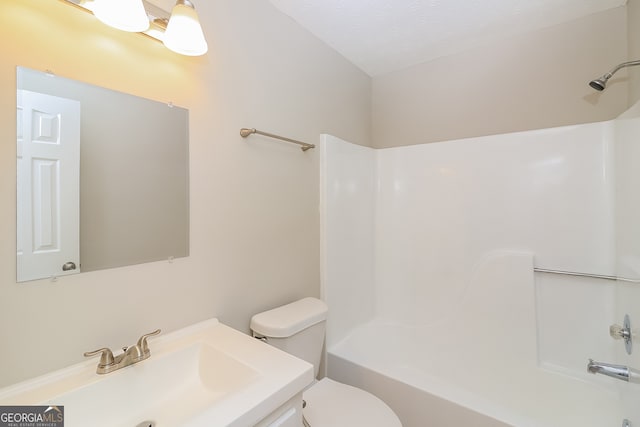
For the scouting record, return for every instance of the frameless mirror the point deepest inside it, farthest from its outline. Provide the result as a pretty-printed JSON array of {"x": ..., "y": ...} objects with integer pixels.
[{"x": 103, "y": 178}]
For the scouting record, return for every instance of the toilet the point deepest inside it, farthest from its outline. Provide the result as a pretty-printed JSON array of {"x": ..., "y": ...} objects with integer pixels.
[{"x": 299, "y": 328}]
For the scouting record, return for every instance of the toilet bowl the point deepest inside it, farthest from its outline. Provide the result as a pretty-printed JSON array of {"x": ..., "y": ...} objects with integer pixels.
[{"x": 299, "y": 328}]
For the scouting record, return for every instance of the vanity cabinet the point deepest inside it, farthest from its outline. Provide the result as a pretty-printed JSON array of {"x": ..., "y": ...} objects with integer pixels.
[{"x": 288, "y": 415}]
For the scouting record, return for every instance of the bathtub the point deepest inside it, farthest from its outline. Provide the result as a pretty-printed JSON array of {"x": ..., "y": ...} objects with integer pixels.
[{"x": 485, "y": 364}]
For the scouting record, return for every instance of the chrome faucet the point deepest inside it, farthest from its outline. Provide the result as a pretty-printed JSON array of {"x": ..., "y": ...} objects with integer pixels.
[
  {"x": 619, "y": 372},
  {"x": 129, "y": 356}
]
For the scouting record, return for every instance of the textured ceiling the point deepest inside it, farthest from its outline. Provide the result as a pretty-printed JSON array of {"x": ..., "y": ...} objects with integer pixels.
[{"x": 381, "y": 36}]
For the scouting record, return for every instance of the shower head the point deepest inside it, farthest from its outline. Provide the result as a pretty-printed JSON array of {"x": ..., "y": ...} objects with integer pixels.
[{"x": 600, "y": 83}]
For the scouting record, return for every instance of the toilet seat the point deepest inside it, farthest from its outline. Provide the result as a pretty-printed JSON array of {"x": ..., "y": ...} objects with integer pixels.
[{"x": 333, "y": 404}]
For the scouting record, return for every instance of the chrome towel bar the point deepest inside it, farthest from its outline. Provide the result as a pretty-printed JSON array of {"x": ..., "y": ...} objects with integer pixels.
[
  {"x": 245, "y": 132},
  {"x": 593, "y": 276}
]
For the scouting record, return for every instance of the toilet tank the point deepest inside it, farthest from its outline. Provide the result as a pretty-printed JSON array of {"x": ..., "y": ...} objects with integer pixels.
[{"x": 297, "y": 328}]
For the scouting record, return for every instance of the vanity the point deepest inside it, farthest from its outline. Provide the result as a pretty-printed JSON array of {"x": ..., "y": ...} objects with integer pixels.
[{"x": 204, "y": 375}]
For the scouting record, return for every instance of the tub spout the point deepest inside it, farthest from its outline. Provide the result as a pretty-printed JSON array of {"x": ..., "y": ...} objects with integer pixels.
[{"x": 619, "y": 372}]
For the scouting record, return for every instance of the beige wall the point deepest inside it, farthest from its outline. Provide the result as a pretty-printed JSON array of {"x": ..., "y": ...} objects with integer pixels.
[
  {"x": 633, "y": 19},
  {"x": 254, "y": 203},
  {"x": 531, "y": 81}
]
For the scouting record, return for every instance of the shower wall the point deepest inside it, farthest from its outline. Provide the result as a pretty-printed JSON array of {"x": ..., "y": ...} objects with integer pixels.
[
  {"x": 627, "y": 156},
  {"x": 628, "y": 246},
  {"x": 347, "y": 209},
  {"x": 442, "y": 208},
  {"x": 405, "y": 229}
]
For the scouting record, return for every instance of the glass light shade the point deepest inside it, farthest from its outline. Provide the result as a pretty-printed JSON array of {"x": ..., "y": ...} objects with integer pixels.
[
  {"x": 184, "y": 34},
  {"x": 125, "y": 15}
]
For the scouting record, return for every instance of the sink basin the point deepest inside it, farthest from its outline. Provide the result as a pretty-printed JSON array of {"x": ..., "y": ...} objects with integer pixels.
[
  {"x": 204, "y": 375},
  {"x": 182, "y": 382}
]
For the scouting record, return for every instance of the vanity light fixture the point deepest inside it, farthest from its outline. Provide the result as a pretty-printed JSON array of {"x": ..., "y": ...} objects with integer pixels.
[
  {"x": 184, "y": 34},
  {"x": 125, "y": 15},
  {"x": 180, "y": 30}
]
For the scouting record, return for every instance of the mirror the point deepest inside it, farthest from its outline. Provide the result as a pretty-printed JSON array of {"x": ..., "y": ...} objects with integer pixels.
[{"x": 103, "y": 178}]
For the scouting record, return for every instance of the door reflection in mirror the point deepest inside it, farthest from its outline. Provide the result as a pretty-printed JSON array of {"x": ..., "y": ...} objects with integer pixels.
[{"x": 48, "y": 193}]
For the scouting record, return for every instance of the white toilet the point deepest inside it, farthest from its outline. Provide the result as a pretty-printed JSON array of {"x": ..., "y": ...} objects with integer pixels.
[{"x": 298, "y": 328}]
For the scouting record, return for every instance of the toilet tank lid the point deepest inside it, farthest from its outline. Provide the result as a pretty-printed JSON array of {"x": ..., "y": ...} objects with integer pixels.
[{"x": 287, "y": 320}]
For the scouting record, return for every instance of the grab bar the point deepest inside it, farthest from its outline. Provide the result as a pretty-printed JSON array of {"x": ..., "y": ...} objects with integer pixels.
[
  {"x": 245, "y": 132},
  {"x": 591, "y": 275},
  {"x": 575, "y": 273}
]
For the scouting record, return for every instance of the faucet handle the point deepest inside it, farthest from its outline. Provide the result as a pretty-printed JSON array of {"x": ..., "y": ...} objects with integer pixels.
[
  {"x": 106, "y": 356},
  {"x": 142, "y": 342},
  {"x": 619, "y": 332},
  {"x": 623, "y": 332}
]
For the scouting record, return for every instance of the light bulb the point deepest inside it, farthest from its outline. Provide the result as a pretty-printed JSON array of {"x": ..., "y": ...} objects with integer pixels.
[
  {"x": 184, "y": 34},
  {"x": 125, "y": 15}
]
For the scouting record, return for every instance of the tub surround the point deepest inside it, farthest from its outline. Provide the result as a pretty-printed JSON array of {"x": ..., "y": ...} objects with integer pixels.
[{"x": 456, "y": 311}]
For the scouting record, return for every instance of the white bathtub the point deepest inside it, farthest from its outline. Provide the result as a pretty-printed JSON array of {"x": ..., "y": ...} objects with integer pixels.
[{"x": 484, "y": 364}]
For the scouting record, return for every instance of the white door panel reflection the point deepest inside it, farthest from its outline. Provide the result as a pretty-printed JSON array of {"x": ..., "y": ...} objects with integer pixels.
[{"x": 48, "y": 196}]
